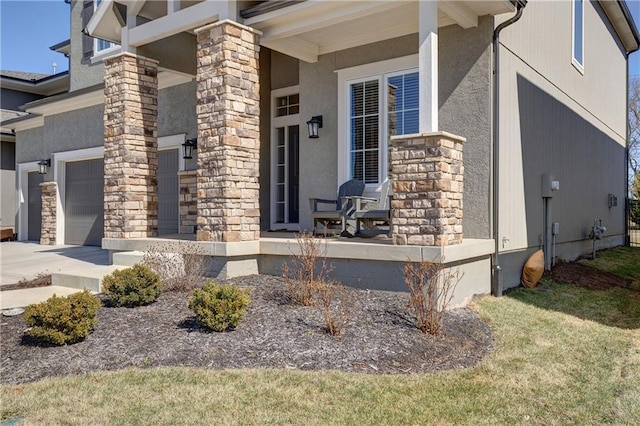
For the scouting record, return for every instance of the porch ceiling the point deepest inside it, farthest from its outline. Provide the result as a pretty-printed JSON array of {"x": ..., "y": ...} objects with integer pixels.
[{"x": 308, "y": 29}]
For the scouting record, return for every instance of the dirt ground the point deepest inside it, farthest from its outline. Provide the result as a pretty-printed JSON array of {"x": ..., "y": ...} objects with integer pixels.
[
  {"x": 381, "y": 338},
  {"x": 585, "y": 276}
]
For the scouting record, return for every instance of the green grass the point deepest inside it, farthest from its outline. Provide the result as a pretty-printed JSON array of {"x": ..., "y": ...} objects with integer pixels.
[
  {"x": 563, "y": 355},
  {"x": 622, "y": 261}
]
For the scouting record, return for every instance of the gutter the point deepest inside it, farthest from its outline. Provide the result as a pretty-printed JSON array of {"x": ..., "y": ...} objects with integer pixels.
[{"x": 496, "y": 279}]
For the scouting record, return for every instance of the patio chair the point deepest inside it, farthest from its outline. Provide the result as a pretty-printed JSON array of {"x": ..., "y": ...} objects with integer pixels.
[
  {"x": 336, "y": 218},
  {"x": 373, "y": 215}
]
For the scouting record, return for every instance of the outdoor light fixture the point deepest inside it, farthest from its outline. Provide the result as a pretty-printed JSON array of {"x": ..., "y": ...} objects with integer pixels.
[
  {"x": 43, "y": 166},
  {"x": 187, "y": 148},
  {"x": 314, "y": 124}
]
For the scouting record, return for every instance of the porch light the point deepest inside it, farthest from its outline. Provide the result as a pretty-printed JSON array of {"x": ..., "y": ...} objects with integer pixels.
[
  {"x": 43, "y": 166},
  {"x": 187, "y": 148},
  {"x": 314, "y": 124}
]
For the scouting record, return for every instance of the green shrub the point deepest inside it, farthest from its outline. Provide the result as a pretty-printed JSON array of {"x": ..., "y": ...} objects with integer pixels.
[
  {"x": 219, "y": 307},
  {"x": 62, "y": 320},
  {"x": 133, "y": 286}
]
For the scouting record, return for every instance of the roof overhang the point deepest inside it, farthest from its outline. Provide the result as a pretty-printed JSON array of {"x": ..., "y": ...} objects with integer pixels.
[
  {"x": 618, "y": 14},
  {"x": 63, "y": 47},
  {"x": 154, "y": 20},
  {"x": 51, "y": 85},
  {"x": 307, "y": 29}
]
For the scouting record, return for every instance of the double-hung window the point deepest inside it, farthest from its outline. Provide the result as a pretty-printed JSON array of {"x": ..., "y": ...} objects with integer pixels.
[
  {"x": 577, "y": 38},
  {"x": 377, "y": 107}
]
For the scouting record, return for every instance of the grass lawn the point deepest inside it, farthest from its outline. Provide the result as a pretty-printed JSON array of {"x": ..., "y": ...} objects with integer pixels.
[
  {"x": 563, "y": 355},
  {"x": 623, "y": 261}
]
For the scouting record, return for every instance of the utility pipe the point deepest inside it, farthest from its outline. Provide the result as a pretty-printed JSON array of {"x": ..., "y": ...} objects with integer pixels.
[{"x": 496, "y": 280}]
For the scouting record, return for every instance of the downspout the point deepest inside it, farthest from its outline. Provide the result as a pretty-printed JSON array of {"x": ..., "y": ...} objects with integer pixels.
[
  {"x": 627, "y": 211},
  {"x": 496, "y": 281}
]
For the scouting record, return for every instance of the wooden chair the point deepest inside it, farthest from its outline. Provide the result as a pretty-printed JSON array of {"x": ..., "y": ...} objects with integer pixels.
[
  {"x": 372, "y": 215},
  {"x": 336, "y": 218}
]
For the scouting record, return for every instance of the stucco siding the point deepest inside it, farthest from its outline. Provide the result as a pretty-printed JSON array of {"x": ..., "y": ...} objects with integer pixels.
[
  {"x": 81, "y": 75},
  {"x": 465, "y": 109},
  {"x": 285, "y": 70},
  {"x": 30, "y": 145},
  {"x": 177, "y": 110}
]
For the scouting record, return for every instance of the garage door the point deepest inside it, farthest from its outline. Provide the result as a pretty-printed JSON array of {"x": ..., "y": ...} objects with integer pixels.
[
  {"x": 84, "y": 202},
  {"x": 168, "y": 209},
  {"x": 34, "y": 194}
]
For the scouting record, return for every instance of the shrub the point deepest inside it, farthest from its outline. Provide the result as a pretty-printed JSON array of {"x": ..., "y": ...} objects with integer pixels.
[
  {"x": 62, "y": 320},
  {"x": 133, "y": 286},
  {"x": 431, "y": 288},
  {"x": 219, "y": 307},
  {"x": 337, "y": 306},
  {"x": 182, "y": 267},
  {"x": 308, "y": 270}
]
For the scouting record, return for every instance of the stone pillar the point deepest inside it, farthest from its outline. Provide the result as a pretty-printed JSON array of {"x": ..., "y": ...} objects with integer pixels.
[
  {"x": 228, "y": 114},
  {"x": 49, "y": 205},
  {"x": 130, "y": 147},
  {"x": 188, "y": 201},
  {"x": 427, "y": 175}
]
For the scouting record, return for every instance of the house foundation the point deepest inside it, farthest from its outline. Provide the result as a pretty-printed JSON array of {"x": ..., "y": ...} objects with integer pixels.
[
  {"x": 130, "y": 147},
  {"x": 228, "y": 117}
]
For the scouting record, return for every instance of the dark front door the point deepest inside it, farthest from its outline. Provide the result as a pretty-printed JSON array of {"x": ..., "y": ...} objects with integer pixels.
[{"x": 34, "y": 210}]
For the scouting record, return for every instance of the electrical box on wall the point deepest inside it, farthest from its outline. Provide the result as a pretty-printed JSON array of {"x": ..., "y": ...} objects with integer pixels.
[
  {"x": 549, "y": 185},
  {"x": 613, "y": 200}
]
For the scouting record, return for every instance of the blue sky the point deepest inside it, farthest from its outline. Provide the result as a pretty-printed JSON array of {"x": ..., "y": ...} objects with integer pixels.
[{"x": 29, "y": 27}]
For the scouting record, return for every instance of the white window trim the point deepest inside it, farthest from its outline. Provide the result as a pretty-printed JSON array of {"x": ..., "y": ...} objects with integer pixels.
[
  {"x": 23, "y": 198},
  {"x": 579, "y": 66},
  {"x": 347, "y": 76},
  {"x": 98, "y": 56},
  {"x": 276, "y": 122}
]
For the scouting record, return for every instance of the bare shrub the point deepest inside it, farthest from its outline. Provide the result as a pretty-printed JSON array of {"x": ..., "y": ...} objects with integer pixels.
[
  {"x": 431, "y": 289},
  {"x": 181, "y": 267},
  {"x": 337, "y": 306},
  {"x": 308, "y": 269}
]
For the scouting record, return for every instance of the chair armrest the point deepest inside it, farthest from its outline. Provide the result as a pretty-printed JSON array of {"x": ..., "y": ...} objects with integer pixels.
[
  {"x": 358, "y": 202},
  {"x": 313, "y": 203}
]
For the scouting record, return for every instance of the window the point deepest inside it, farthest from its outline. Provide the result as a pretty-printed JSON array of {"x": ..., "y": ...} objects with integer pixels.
[
  {"x": 377, "y": 107},
  {"x": 578, "y": 34}
]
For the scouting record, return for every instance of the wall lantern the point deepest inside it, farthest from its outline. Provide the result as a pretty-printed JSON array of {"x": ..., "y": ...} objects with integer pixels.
[
  {"x": 43, "y": 166},
  {"x": 187, "y": 148},
  {"x": 314, "y": 124}
]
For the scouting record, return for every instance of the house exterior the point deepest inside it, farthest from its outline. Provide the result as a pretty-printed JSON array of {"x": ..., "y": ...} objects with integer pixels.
[
  {"x": 16, "y": 89},
  {"x": 494, "y": 119}
]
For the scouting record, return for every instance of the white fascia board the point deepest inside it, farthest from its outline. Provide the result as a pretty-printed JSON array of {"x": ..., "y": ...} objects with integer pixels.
[
  {"x": 459, "y": 12},
  {"x": 183, "y": 20},
  {"x": 31, "y": 123},
  {"x": 98, "y": 19}
]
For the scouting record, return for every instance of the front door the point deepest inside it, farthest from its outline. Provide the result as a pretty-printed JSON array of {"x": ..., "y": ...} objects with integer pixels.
[{"x": 285, "y": 166}]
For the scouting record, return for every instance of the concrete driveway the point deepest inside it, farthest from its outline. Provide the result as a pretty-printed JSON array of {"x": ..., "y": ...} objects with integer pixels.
[{"x": 20, "y": 259}]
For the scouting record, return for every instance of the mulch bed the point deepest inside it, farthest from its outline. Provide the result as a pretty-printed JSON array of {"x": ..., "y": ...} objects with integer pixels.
[
  {"x": 585, "y": 276},
  {"x": 273, "y": 334}
]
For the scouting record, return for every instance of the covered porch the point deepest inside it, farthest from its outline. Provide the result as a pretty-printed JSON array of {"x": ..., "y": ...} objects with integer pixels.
[{"x": 347, "y": 55}]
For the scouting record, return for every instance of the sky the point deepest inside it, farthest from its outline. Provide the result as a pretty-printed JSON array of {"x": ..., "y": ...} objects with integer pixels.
[{"x": 29, "y": 27}]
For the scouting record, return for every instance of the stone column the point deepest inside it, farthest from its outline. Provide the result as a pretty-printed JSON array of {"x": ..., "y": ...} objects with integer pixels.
[
  {"x": 49, "y": 205},
  {"x": 228, "y": 113},
  {"x": 130, "y": 147},
  {"x": 427, "y": 175},
  {"x": 188, "y": 201}
]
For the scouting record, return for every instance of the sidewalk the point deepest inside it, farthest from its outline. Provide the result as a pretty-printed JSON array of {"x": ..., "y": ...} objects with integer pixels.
[
  {"x": 24, "y": 260},
  {"x": 20, "y": 260}
]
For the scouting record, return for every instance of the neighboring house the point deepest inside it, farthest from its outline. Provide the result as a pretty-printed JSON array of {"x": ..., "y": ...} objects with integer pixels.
[
  {"x": 405, "y": 89},
  {"x": 16, "y": 89}
]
